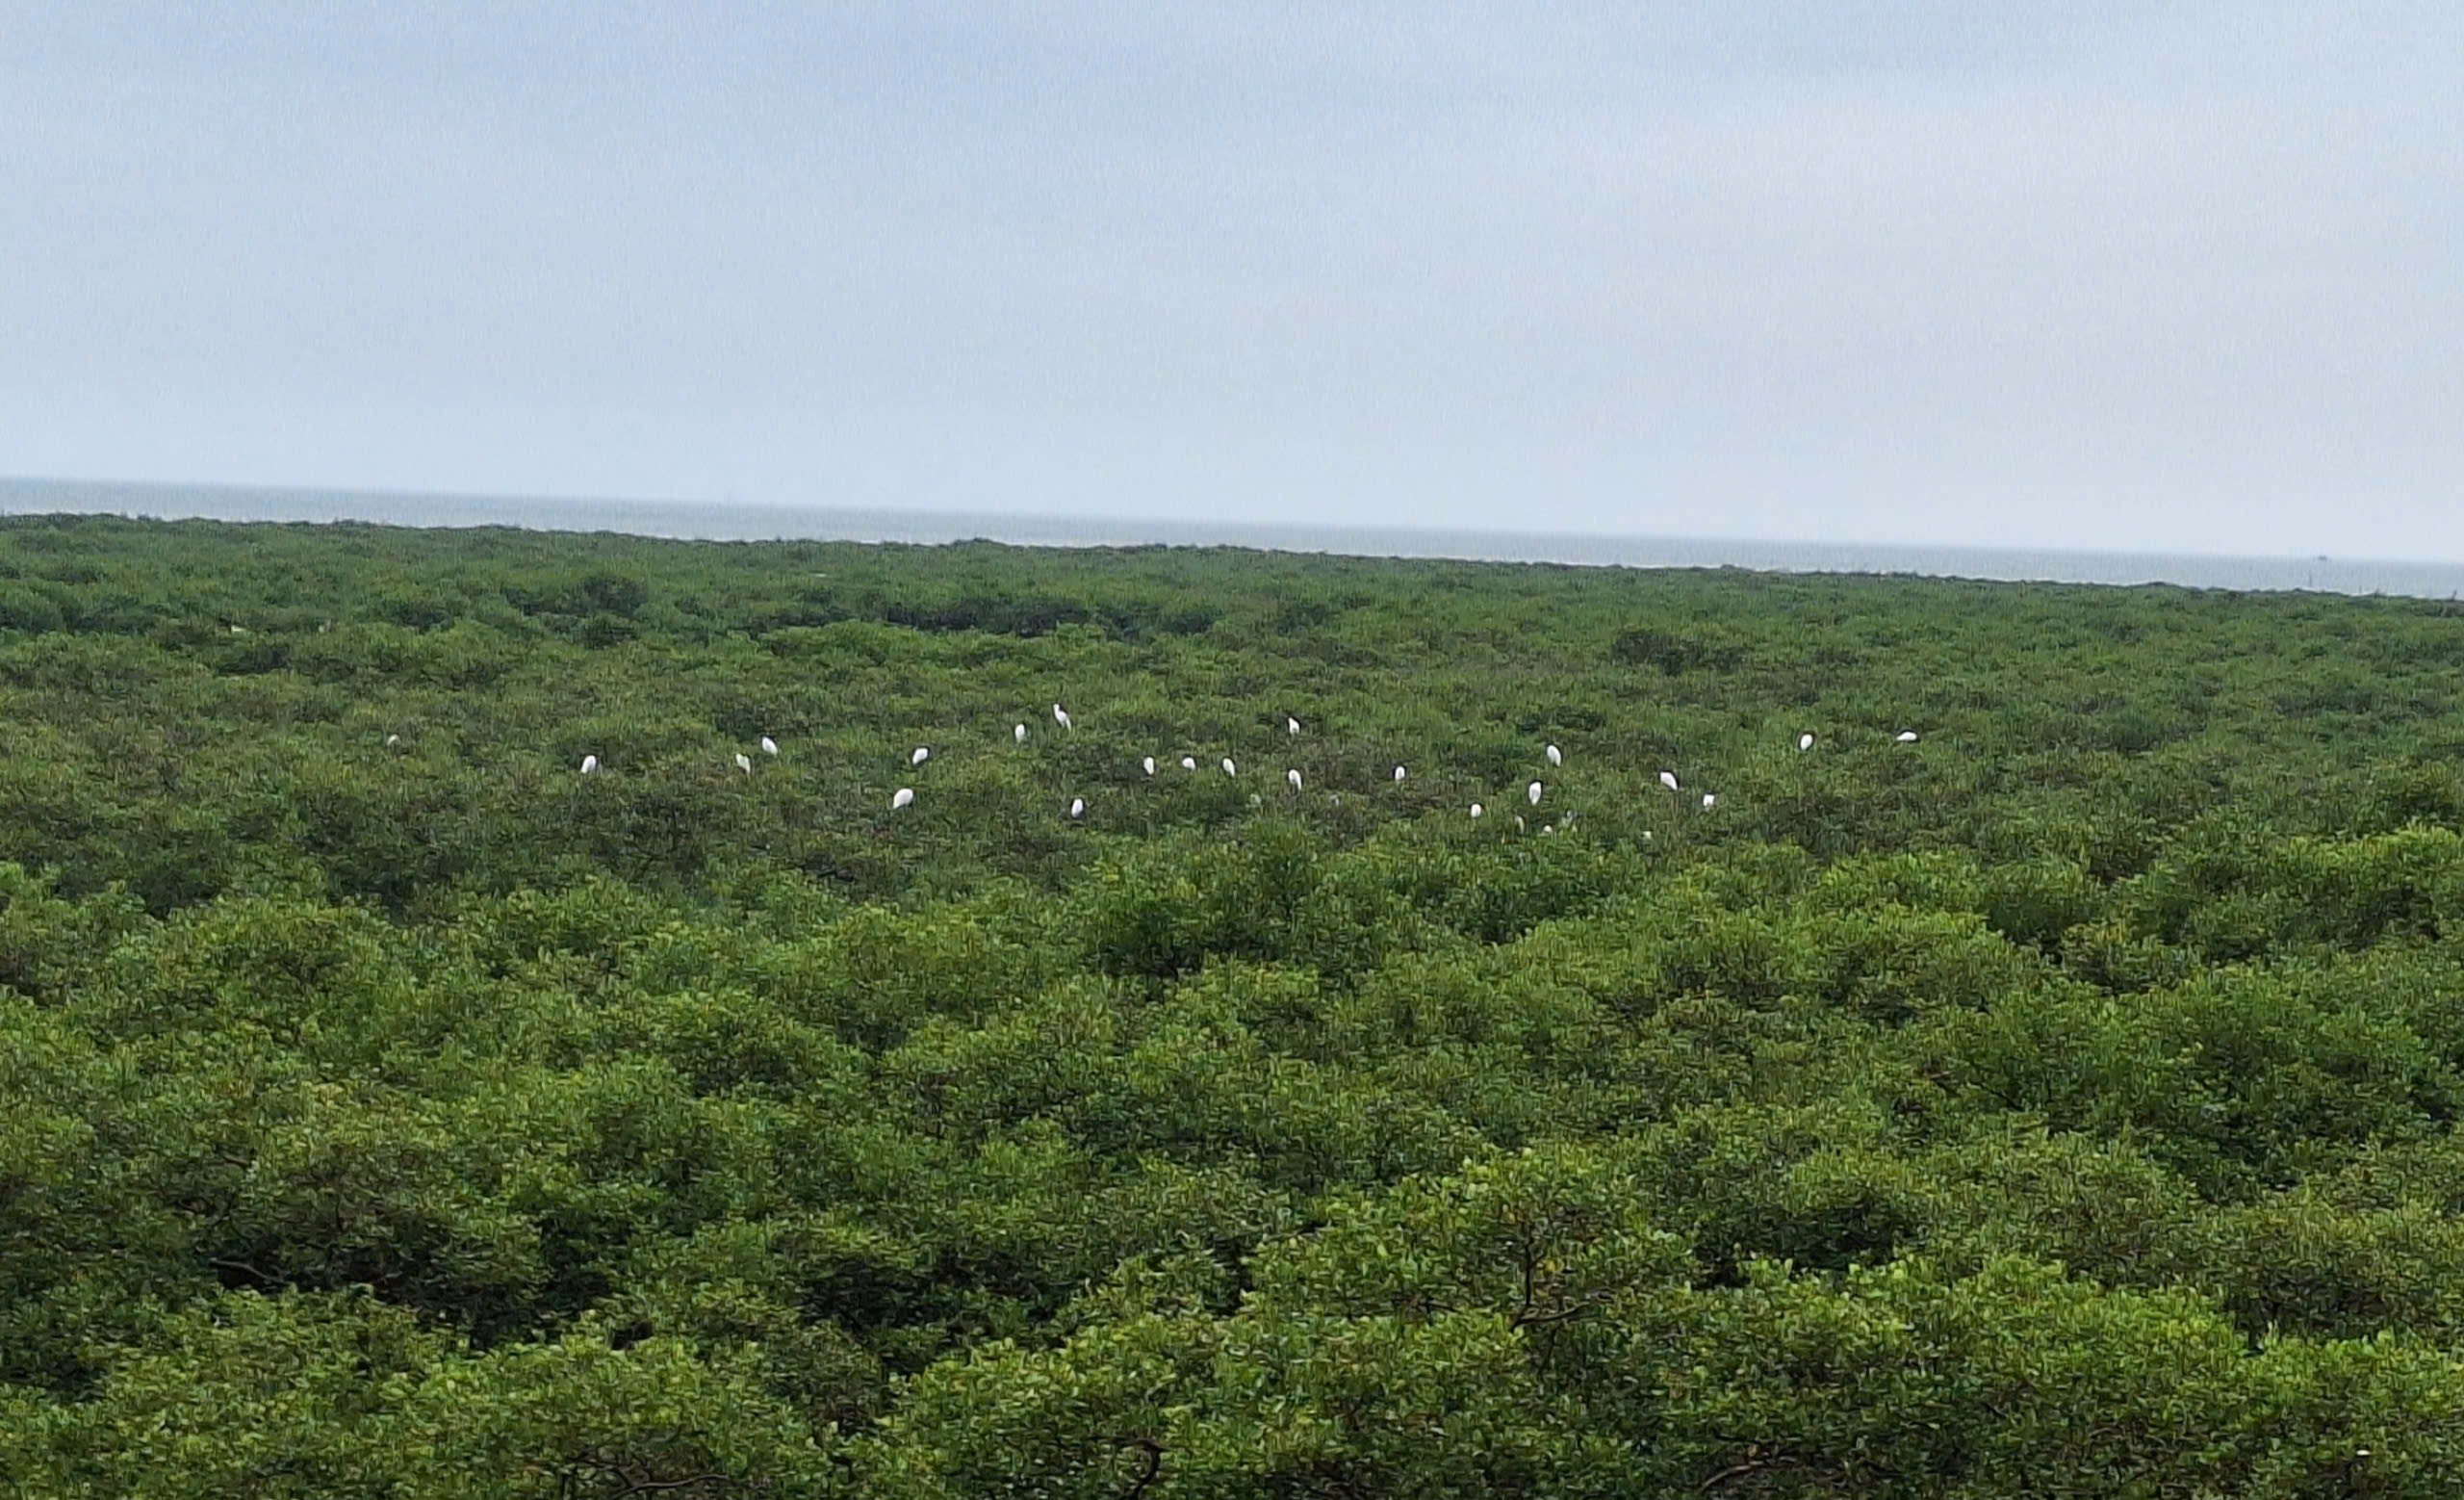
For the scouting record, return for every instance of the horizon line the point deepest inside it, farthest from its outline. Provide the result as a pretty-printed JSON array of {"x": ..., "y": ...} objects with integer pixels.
[{"x": 947, "y": 517}]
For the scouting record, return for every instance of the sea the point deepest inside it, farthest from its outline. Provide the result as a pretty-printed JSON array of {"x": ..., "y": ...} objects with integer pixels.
[{"x": 718, "y": 521}]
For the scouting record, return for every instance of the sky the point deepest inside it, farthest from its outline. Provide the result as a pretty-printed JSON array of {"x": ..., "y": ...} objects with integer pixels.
[{"x": 2170, "y": 275}]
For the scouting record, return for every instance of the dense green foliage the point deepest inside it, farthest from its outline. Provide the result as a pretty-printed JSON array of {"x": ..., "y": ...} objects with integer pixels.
[{"x": 2061, "y": 1105}]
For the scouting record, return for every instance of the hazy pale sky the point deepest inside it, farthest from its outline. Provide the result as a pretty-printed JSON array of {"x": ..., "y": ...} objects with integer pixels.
[{"x": 2166, "y": 275}]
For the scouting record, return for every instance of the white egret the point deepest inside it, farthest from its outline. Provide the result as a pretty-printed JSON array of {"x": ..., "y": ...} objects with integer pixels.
[
  {"x": 1906, "y": 736},
  {"x": 1546, "y": 829},
  {"x": 1189, "y": 762},
  {"x": 901, "y": 797},
  {"x": 1708, "y": 800},
  {"x": 923, "y": 752},
  {"x": 1228, "y": 769},
  {"x": 1293, "y": 777},
  {"x": 1556, "y": 757},
  {"x": 589, "y": 764},
  {"x": 1804, "y": 741},
  {"x": 1018, "y": 733},
  {"x": 769, "y": 746},
  {"x": 1399, "y": 773},
  {"x": 1533, "y": 792},
  {"x": 1477, "y": 810},
  {"x": 1060, "y": 715},
  {"x": 1149, "y": 764},
  {"x": 1291, "y": 725},
  {"x": 391, "y": 741},
  {"x": 1518, "y": 822},
  {"x": 744, "y": 762},
  {"x": 1668, "y": 779},
  {"x": 1077, "y": 807}
]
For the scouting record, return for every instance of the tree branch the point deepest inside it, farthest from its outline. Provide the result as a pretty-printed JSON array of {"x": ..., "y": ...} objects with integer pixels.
[
  {"x": 1154, "y": 1452},
  {"x": 643, "y": 1486}
]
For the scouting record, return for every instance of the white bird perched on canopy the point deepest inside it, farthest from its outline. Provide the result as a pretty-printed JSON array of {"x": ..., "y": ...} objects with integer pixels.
[
  {"x": 1149, "y": 764},
  {"x": 589, "y": 764},
  {"x": 1061, "y": 715},
  {"x": 1477, "y": 810},
  {"x": 901, "y": 797},
  {"x": 1556, "y": 757},
  {"x": 1533, "y": 792},
  {"x": 1293, "y": 776},
  {"x": 1077, "y": 807},
  {"x": 744, "y": 762},
  {"x": 1018, "y": 733},
  {"x": 1399, "y": 773},
  {"x": 1228, "y": 769},
  {"x": 1906, "y": 736},
  {"x": 923, "y": 752},
  {"x": 1291, "y": 725},
  {"x": 391, "y": 741},
  {"x": 1804, "y": 741},
  {"x": 1709, "y": 799},
  {"x": 769, "y": 746},
  {"x": 1668, "y": 779},
  {"x": 1189, "y": 762}
]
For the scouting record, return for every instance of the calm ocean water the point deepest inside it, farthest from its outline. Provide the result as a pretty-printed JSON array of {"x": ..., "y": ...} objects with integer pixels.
[{"x": 761, "y": 523}]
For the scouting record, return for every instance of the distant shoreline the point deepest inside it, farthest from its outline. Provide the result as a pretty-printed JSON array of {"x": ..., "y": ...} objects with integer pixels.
[{"x": 681, "y": 520}]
